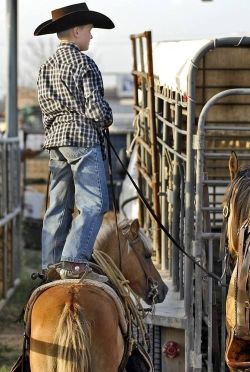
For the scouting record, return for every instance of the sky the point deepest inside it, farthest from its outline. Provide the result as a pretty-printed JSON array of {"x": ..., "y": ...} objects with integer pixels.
[{"x": 167, "y": 19}]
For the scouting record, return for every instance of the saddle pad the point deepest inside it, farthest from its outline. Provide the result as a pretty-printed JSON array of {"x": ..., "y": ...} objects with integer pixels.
[{"x": 38, "y": 291}]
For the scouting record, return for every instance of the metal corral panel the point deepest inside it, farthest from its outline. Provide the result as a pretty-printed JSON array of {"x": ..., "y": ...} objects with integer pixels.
[{"x": 10, "y": 255}]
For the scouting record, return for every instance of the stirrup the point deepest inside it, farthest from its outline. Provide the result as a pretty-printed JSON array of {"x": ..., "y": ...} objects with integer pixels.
[
  {"x": 94, "y": 276},
  {"x": 80, "y": 271}
]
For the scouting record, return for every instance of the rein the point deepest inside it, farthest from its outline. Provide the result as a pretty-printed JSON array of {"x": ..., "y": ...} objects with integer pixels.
[
  {"x": 163, "y": 228},
  {"x": 106, "y": 133}
]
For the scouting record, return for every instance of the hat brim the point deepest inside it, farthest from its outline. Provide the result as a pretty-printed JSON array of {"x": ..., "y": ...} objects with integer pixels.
[{"x": 98, "y": 20}]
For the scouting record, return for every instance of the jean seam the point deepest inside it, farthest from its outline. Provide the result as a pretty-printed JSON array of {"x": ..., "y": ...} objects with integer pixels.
[
  {"x": 88, "y": 237},
  {"x": 101, "y": 198},
  {"x": 99, "y": 182},
  {"x": 61, "y": 222}
]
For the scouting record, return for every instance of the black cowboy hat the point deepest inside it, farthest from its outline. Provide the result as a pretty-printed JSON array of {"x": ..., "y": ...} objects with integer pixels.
[{"x": 70, "y": 16}]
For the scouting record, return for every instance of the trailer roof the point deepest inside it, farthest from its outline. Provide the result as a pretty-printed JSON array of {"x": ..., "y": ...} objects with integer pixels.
[{"x": 172, "y": 60}]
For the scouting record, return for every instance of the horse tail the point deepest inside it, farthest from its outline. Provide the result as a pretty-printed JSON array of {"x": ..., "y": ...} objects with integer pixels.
[{"x": 72, "y": 338}]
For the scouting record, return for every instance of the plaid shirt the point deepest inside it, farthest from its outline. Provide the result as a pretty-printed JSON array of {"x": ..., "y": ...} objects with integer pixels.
[{"x": 70, "y": 94}]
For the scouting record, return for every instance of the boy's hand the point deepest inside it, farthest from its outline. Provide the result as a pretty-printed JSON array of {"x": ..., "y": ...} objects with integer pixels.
[{"x": 108, "y": 123}]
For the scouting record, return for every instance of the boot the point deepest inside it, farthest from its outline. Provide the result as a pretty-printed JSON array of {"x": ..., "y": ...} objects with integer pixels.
[
  {"x": 51, "y": 274},
  {"x": 72, "y": 270}
]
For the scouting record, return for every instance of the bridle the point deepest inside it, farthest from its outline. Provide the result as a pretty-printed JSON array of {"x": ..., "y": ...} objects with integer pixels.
[
  {"x": 146, "y": 266},
  {"x": 224, "y": 241},
  {"x": 224, "y": 251}
]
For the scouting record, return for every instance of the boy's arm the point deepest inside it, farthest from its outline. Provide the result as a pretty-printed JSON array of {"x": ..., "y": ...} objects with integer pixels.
[{"x": 96, "y": 108}]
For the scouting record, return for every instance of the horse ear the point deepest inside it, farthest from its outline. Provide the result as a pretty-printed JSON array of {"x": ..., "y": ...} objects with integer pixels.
[
  {"x": 135, "y": 227},
  {"x": 131, "y": 229},
  {"x": 233, "y": 165}
]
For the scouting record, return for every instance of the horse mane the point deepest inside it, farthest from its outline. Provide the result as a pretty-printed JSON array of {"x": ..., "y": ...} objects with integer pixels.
[
  {"x": 108, "y": 231},
  {"x": 108, "y": 228},
  {"x": 237, "y": 198}
]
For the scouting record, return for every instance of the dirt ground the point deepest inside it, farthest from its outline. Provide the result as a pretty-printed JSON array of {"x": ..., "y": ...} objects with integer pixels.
[{"x": 11, "y": 330}]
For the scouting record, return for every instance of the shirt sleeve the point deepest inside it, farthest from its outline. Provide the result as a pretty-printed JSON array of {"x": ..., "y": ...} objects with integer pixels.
[{"x": 96, "y": 108}]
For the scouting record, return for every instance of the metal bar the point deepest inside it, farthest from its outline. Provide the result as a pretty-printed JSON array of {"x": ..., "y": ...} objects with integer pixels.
[
  {"x": 134, "y": 62},
  {"x": 198, "y": 315},
  {"x": 216, "y": 182},
  {"x": 210, "y": 308},
  {"x": 11, "y": 98},
  {"x": 145, "y": 156},
  {"x": 228, "y": 122},
  {"x": 183, "y": 157},
  {"x": 226, "y": 128},
  {"x": 183, "y": 104},
  {"x": 155, "y": 169},
  {"x": 182, "y": 198},
  {"x": 9, "y": 140},
  {"x": 171, "y": 125},
  {"x": 212, "y": 209},
  {"x": 223, "y": 322},
  {"x": 199, "y": 245},
  {"x": 212, "y": 235},
  {"x": 10, "y": 216},
  {"x": 176, "y": 200},
  {"x": 225, "y": 155}
]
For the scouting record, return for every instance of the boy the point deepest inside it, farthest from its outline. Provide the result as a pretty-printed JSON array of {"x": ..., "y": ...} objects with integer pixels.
[{"x": 70, "y": 94}]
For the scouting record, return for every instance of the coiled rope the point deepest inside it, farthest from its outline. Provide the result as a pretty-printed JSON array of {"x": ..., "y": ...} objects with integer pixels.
[{"x": 134, "y": 311}]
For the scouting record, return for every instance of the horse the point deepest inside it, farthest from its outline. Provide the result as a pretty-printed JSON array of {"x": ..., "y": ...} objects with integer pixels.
[
  {"x": 76, "y": 328},
  {"x": 237, "y": 212}
]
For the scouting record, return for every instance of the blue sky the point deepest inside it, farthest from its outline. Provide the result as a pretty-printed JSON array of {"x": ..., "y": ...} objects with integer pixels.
[{"x": 168, "y": 20}]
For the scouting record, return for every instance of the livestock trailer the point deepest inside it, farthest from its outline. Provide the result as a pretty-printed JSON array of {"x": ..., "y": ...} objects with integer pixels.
[{"x": 192, "y": 108}]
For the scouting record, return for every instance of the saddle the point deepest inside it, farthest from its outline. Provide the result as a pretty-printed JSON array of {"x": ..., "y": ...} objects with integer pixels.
[
  {"x": 22, "y": 363},
  {"x": 237, "y": 354},
  {"x": 135, "y": 359}
]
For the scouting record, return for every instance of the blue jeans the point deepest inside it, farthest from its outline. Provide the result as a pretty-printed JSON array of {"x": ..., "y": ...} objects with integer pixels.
[{"x": 78, "y": 179}]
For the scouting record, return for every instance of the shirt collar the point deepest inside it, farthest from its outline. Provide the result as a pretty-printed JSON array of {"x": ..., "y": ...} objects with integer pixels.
[{"x": 68, "y": 44}]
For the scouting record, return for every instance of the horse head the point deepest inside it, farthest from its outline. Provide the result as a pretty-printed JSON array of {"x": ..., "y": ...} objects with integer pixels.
[
  {"x": 137, "y": 265},
  {"x": 236, "y": 204}
]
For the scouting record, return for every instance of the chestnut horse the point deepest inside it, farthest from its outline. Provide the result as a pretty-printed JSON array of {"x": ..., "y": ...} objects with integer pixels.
[
  {"x": 76, "y": 328},
  {"x": 237, "y": 204}
]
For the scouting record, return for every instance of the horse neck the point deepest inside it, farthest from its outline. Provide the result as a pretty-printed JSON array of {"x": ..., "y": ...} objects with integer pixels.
[{"x": 109, "y": 243}]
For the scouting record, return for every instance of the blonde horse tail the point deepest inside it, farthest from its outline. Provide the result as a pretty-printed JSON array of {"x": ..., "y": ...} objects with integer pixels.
[{"x": 72, "y": 338}]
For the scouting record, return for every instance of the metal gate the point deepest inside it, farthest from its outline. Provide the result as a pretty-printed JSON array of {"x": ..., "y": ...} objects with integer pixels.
[{"x": 146, "y": 138}]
